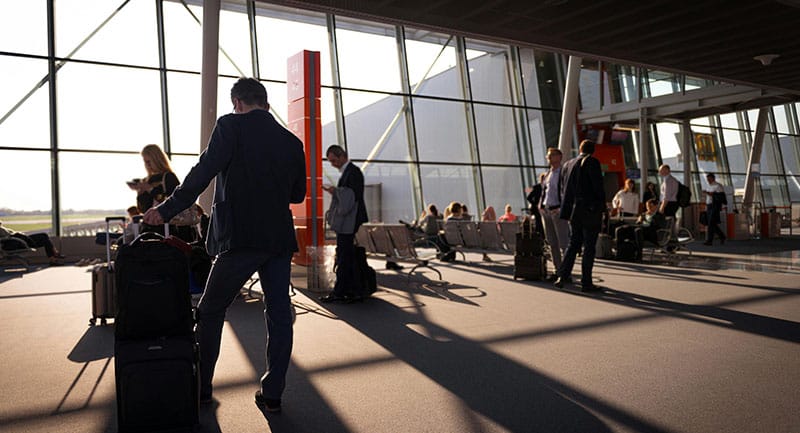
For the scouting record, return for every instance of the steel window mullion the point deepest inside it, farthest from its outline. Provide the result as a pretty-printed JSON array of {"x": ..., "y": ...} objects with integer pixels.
[
  {"x": 411, "y": 134},
  {"x": 162, "y": 72},
  {"x": 55, "y": 193},
  {"x": 469, "y": 108},
  {"x": 341, "y": 129}
]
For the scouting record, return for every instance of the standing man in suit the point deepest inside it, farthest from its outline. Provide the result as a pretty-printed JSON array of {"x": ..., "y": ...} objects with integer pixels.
[
  {"x": 345, "y": 289},
  {"x": 260, "y": 169},
  {"x": 556, "y": 230},
  {"x": 583, "y": 204}
]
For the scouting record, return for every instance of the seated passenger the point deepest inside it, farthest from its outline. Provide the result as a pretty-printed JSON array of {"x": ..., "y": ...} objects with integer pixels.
[
  {"x": 12, "y": 240},
  {"x": 489, "y": 214},
  {"x": 626, "y": 201},
  {"x": 508, "y": 216},
  {"x": 645, "y": 229}
]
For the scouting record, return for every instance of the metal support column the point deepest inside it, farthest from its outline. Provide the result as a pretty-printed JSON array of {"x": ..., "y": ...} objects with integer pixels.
[
  {"x": 571, "y": 91},
  {"x": 469, "y": 111},
  {"x": 644, "y": 149},
  {"x": 341, "y": 128},
  {"x": 754, "y": 163},
  {"x": 208, "y": 86},
  {"x": 408, "y": 112},
  {"x": 55, "y": 214}
]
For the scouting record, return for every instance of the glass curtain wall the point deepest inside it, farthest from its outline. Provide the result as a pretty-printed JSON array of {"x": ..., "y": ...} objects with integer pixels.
[{"x": 430, "y": 117}]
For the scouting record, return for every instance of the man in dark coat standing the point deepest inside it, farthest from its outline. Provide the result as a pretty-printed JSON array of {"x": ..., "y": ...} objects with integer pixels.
[
  {"x": 583, "y": 204},
  {"x": 260, "y": 169},
  {"x": 345, "y": 289}
]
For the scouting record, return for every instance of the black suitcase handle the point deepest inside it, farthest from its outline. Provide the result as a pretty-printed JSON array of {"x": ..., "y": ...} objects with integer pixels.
[{"x": 147, "y": 237}]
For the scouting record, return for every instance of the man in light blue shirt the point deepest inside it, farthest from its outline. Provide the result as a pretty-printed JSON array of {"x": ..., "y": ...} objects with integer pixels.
[{"x": 556, "y": 230}]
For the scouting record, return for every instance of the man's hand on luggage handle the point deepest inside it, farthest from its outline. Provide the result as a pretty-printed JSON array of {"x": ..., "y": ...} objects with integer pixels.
[{"x": 153, "y": 218}]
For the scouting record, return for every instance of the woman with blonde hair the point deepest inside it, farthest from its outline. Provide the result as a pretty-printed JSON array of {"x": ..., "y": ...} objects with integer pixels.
[{"x": 157, "y": 186}]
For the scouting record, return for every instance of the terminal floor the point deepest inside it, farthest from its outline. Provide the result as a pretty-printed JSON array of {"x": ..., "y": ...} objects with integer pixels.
[{"x": 701, "y": 344}]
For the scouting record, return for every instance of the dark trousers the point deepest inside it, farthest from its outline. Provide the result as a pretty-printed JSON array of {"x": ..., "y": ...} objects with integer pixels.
[
  {"x": 345, "y": 261},
  {"x": 579, "y": 237},
  {"x": 229, "y": 273},
  {"x": 671, "y": 208},
  {"x": 713, "y": 226},
  {"x": 38, "y": 240}
]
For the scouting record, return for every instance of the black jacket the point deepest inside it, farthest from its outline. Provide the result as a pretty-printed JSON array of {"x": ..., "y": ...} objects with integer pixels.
[
  {"x": 581, "y": 185},
  {"x": 260, "y": 169},
  {"x": 353, "y": 178}
]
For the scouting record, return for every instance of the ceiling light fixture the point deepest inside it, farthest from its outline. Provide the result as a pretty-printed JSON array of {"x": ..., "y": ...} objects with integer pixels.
[{"x": 766, "y": 59}]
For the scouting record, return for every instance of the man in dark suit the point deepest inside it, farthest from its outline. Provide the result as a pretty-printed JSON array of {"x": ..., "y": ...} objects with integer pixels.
[
  {"x": 583, "y": 203},
  {"x": 260, "y": 169},
  {"x": 345, "y": 289}
]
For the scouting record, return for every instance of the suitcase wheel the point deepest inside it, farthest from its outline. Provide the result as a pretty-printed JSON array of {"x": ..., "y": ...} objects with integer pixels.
[
  {"x": 92, "y": 321},
  {"x": 103, "y": 322}
]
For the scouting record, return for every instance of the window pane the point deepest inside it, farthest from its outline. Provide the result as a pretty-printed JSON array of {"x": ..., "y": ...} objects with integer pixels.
[
  {"x": 134, "y": 121},
  {"x": 20, "y": 76},
  {"x": 394, "y": 182},
  {"x": 781, "y": 119},
  {"x": 129, "y": 37},
  {"x": 96, "y": 181},
  {"x": 31, "y": 169},
  {"x": 488, "y": 71},
  {"x": 589, "y": 83},
  {"x": 773, "y": 191},
  {"x": 661, "y": 83},
  {"x": 668, "y": 136},
  {"x": 441, "y": 128},
  {"x": 432, "y": 64},
  {"x": 375, "y": 130},
  {"x": 183, "y": 36},
  {"x": 734, "y": 148},
  {"x": 770, "y": 158},
  {"x": 790, "y": 149},
  {"x": 22, "y": 28},
  {"x": 284, "y": 32},
  {"x": 184, "y": 112},
  {"x": 540, "y": 78},
  {"x": 501, "y": 186},
  {"x": 497, "y": 136},
  {"x": 544, "y": 128},
  {"x": 730, "y": 120},
  {"x": 234, "y": 43},
  {"x": 442, "y": 184},
  {"x": 794, "y": 188},
  {"x": 367, "y": 55}
]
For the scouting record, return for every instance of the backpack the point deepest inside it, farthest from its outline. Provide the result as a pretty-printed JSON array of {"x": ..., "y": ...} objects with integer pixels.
[{"x": 684, "y": 195}]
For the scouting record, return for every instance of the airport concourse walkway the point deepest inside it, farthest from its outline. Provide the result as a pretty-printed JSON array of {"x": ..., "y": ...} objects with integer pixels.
[{"x": 707, "y": 344}]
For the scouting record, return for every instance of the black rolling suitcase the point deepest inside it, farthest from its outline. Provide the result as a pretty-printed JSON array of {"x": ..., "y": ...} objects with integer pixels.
[
  {"x": 156, "y": 354},
  {"x": 529, "y": 260},
  {"x": 104, "y": 302}
]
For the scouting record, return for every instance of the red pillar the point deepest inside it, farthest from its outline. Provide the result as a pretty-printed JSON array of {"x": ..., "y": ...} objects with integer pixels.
[{"x": 304, "y": 121}]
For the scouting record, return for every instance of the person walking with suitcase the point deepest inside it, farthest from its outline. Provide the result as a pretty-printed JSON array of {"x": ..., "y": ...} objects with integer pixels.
[{"x": 260, "y": 169}]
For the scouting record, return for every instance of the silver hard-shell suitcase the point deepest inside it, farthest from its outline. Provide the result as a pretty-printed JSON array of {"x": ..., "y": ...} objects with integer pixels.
[{"x": 103, "y": 288}]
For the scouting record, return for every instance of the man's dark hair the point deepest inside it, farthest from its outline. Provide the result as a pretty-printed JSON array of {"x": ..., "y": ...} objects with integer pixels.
[
  {"x": 250, "y": 91},
  {"x": 587, "y": 147},
  {"x": 711, "y": 176},
  {"x": 336, "y": 150}
]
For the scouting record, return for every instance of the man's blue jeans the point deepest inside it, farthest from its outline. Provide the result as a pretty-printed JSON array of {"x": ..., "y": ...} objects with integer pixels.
[{"x": 229, "y": 273}]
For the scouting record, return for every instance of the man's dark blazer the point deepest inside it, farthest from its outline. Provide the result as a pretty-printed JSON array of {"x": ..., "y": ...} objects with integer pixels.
[
  {"x": 587, "y": 193},
  {"x": 260, "y": 169},
  {"x": 353, "y": 178}
]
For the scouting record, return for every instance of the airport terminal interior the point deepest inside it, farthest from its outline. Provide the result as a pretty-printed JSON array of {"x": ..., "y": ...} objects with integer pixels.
[{"x": 437, "y": 102}]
